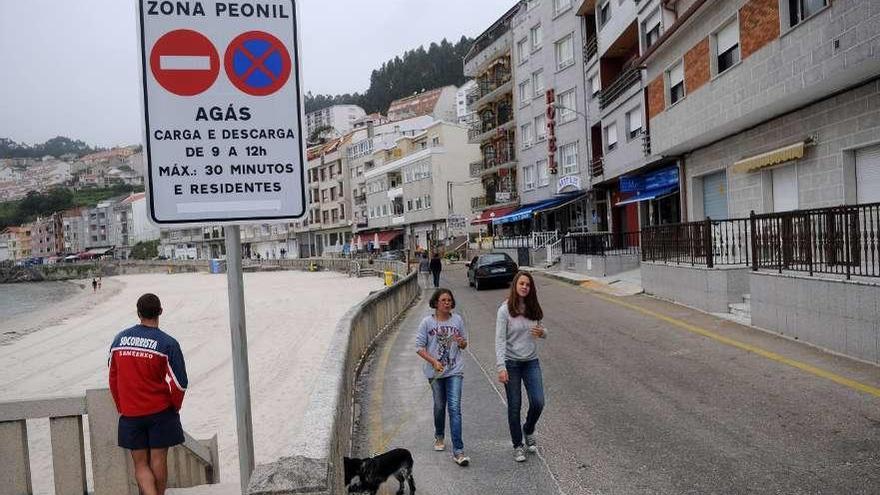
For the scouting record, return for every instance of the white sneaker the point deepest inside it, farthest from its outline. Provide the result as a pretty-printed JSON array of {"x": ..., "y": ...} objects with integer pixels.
[
  {"x": 519, "y": 454},
  {"x": 461, "y": 459},
  {"x": 531, "y": 444}
]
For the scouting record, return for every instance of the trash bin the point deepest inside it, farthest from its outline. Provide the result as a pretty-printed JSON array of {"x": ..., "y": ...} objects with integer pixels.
[
  {"x": 216, "y": 266},
  {"x": 389, "y": 278}
]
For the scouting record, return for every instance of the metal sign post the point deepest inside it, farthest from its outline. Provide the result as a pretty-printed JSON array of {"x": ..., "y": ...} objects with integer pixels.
[
  {"x": 223, "y": 136},
  {"x": 241, "y": 380}
]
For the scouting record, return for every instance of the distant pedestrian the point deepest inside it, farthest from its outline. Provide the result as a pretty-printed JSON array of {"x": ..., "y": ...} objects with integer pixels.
[
  {"x": 148, "y": 381},
  {"x": 99, "y": 282},
  {"x": 424, "y": 270},
  {"x": 439, "y": 341},
  {"x": 517, "y": 330},
  {"x": 436, "y": 266},
  {"x": 94, "y": 284}
]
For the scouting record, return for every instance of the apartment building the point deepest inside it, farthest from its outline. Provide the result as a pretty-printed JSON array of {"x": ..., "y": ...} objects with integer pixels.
[
  {"x": 326, "y": 229},
  {"x": 339, "y": 118},
  {"x": 492, "y": 126},
  {"x": 377, "y": 135},
  {"x": 461, "y": 102},
  {"x": 772, "y": 105},
  {"x": 75, "y": 224},
  {"x": 416, "y": 185},
  {"x": 47, "y": 237},
  {"x": 131, "y": 224},
  {"x": 439, "y": 103}
]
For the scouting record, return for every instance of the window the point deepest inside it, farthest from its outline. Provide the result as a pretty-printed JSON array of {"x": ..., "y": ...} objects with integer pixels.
[
  {"x": 538, "y": 82},
  {"x": 527, "y": 135},
  {"x": 409, "y": 205},
  {"x": 419, "y": 203},
  {"x": 535, "y": 35},
  {"x": 634, "y": 123},
  {"x": 385, "y": 210},
  {"x": 428, "y": 201},
  {"x": 564, "y": 52},
  {"x": 604, "y": 13},
  {"x": 566, "y": 106},
  {"x": 528, "y": 177},
  {"x": 651, "y": 28},
  {"x": 569, "y": 157},
  {"x": 541, "y": 127},
  {"x": 595, "y": 85},
  {"x": 525, "y": 91},
  {"x": 675, "y": 74},
  {"x": 543, "y": 173},
  {"x": 800, "y": 10},
  {"x": 611, "y": 137},
  {"x": 785, "y": 188},
  {"x": 435, "y": 141},
  {"x": 560, "y": 6},
  {"x": 726, "y": 42},
  {"x": 522, "y": 50}
]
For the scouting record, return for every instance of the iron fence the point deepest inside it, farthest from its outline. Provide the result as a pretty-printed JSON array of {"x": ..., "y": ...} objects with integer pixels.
[
  {"x": 841, "y": 240},
  {"x": 520, "y": 241},
  {"x": 602, "y": 243},
  {"x": 709, "y": 242}
]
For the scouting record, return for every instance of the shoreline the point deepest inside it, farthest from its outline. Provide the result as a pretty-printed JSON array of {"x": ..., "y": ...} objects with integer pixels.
[{"x": 80, "y": 302}]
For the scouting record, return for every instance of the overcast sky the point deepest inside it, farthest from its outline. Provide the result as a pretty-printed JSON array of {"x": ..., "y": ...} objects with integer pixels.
[{"x": 70, "y": 67}]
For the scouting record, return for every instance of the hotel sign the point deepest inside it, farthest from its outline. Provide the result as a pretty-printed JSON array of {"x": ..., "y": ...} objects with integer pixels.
[
  {"x": 551, "y": 130},
  {"x": 568, "y": 181}
]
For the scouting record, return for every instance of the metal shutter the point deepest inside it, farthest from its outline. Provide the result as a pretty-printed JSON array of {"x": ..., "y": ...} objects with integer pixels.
[
  {"x": 715, "y": 195},
  {"x": 868, "y": 175},
  {"x": 785, "y": 188}
]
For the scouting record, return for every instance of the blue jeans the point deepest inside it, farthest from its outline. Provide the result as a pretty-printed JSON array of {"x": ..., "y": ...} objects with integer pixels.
[
  {"x": 447, "y": 395},
  {"x": 526, "y": 373}
]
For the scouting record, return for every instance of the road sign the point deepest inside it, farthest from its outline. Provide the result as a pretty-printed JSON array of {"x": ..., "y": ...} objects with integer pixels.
[
  {"x": 184, "y": 62},
  {"x": 222, "y": 146},
  {"x": 257, "y": 63}
]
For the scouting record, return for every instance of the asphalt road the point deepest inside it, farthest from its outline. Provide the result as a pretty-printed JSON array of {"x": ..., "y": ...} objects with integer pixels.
[{"x": 643, "y": 397}]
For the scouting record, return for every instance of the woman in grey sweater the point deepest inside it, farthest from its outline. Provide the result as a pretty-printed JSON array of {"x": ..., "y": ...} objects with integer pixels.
[{"x": 517, "y": 330}]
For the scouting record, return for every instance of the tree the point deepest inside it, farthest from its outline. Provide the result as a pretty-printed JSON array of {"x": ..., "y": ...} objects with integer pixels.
[{"x": 145, "y": 250}]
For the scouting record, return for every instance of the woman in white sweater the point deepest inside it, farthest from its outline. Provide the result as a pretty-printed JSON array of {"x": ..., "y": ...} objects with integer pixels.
[{"x": 517, "y": 330}]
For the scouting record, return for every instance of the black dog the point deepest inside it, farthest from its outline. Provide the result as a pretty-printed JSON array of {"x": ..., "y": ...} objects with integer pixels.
[{"x": 367, "y": 475}]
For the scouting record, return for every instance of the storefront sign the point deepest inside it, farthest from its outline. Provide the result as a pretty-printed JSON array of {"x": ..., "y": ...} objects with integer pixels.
[
  {"x": 659, "y": 179},
  {"x": 551, "y": 130},
  {"x": 569, "y": 180}
]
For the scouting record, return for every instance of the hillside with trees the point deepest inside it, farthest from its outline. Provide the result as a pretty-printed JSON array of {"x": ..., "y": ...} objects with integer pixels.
[
  {"x": 417, "y": 70},
  {"x": 56, "y": 147}
]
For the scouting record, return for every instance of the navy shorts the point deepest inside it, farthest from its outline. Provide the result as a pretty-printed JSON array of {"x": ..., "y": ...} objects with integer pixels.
[{"x": 154, "y": 431}]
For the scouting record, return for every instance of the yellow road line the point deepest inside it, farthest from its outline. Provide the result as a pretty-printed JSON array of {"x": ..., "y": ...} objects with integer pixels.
[
  {"x": 377, "y": 435},
  {"x": 858, "y": 386}
]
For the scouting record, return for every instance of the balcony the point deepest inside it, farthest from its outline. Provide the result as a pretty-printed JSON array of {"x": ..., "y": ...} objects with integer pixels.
[
  {"x": 360, "y": 199},
  {"x": 499, "y": 198},
  {"x": 395, "y": 192},
  {"x": 399, "y": 220},
  {"x": 591, "y": 49},
  {"x": 624, "y": 81},
  {"x": 492, "y": 165},
  {"x": 597, "y": 167},
  {"x": 482, "y": 131}
]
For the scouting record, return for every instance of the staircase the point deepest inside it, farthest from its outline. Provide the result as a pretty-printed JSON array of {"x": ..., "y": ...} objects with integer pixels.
[{"x": 741, "y": 312}]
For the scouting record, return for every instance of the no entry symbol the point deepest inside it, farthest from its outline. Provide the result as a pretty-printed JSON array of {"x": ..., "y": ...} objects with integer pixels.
[
  {"x": 257, "y": 63},
  {"x": 184, "y": 62}
]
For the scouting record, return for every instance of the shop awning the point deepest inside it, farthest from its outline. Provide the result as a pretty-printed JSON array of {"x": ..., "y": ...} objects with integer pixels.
[
  {"x": 525, "y": 212},
  {"x": 646, "y": 195},
  {"x": 383, "y": 238},
  {"x": 770, "y": 158},
  {"x": 571, "y": 199},
  {"x": 490, "y": 214},
  {"x": 99, "y": 251}
]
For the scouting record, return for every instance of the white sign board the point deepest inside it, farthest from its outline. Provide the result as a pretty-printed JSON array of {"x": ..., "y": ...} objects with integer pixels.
[
  {"x": 222, "y": 111},
  {"x": 456, "y": 225}
]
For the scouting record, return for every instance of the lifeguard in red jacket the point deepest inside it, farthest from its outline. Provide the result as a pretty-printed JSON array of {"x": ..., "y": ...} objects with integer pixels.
[{"x": 148, "y": 382}]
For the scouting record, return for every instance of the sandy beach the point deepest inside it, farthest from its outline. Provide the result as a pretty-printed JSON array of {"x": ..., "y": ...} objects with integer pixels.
[{"x": 290, "y": 318}]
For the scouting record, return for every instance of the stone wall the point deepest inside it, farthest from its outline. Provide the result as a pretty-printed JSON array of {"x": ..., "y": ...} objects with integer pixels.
[
  {"x": 839, "y": 315},
  {"x": 695, "y": 286}
]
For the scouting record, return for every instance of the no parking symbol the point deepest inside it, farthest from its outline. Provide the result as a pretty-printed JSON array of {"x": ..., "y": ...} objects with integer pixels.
[{"x": 185, "y": 63}]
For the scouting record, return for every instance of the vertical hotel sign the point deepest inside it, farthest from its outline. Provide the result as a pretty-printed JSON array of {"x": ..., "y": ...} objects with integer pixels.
[
  {"x": 222, "y": 110},
  {"x": 551, "y": 130}
]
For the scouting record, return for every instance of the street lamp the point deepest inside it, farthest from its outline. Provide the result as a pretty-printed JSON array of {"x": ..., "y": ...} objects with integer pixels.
[{"x": 559, "y": 106}]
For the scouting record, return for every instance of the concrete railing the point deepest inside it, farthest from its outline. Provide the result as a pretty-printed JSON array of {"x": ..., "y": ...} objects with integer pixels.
[
  {"x": 193, "y": 463},
  {"x": 314, "y": 462}
]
